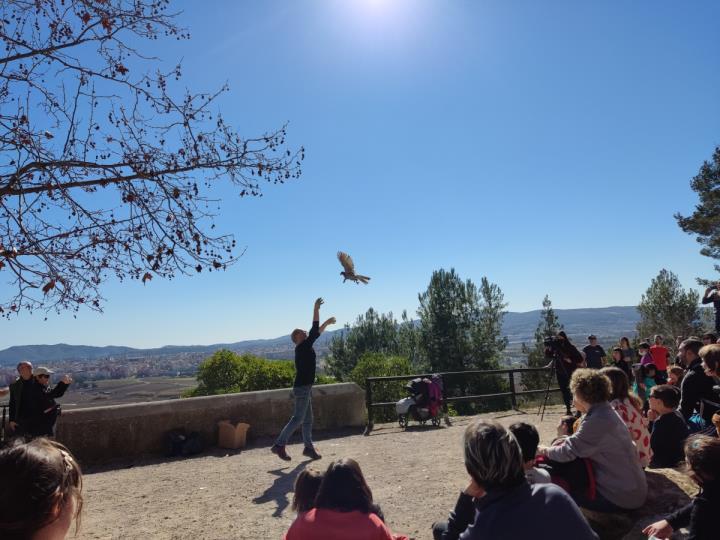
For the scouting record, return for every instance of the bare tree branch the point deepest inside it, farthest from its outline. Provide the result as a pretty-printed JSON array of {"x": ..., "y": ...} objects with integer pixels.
[{"x": 103, "y": 173}]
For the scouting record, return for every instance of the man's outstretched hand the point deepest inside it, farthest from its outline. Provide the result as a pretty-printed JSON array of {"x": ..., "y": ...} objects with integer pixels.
[
  {"x": 319, "y": 302},
  {"x": 327, "y": 323}
]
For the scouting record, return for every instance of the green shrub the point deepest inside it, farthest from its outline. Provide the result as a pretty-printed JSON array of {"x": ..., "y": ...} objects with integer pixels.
[
  {"x": 218, "y": 374},
  {"x": 379, "y": 365},
  {"x": 226, "y": 372}
]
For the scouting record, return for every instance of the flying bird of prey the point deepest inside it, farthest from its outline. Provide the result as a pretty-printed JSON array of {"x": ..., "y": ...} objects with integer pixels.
[{"x": 349, "y": 269}]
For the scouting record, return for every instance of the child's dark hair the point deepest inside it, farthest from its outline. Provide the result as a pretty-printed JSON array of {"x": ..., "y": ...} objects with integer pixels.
[
  {"x": 39, "y": 479},
  {"x": 647, "y": 367},
  {"x": 668, "y": 394},
  {"x": 676, "y": 370},
  {"x": 569, "y": 422},
  {"x": 527, "y": 437},
  {"x": 702, "y": 454},
  {"x": 344, "y": 488},
  {"x": 307, "y": 485}
]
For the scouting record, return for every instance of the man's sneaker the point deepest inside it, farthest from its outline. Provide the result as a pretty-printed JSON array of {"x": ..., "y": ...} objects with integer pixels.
[
  {"x": 280, "y": 452},
  {"x": 310, "y": 452}
]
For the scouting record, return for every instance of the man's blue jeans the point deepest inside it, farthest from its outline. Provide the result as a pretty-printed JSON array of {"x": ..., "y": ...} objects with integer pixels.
[{"x": 302, "y": 414}]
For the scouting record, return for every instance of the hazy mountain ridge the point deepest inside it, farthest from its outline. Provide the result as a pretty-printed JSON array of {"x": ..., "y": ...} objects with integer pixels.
[{"x": 519, "y": 327}]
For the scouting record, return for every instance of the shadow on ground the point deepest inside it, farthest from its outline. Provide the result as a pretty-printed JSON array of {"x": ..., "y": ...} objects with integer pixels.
[{"x": 280, "y": 488}]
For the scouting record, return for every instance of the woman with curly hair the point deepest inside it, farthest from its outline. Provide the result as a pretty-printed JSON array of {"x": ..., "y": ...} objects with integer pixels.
[{"x": 604, "y": 439}]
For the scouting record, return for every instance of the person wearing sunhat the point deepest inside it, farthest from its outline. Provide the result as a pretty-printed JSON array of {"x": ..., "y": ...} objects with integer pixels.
[
  {"x": 594, "y": 353},
  {"x": 44, "y": 409}
]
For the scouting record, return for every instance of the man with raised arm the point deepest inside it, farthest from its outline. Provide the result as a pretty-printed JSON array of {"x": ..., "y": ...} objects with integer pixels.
[
  {"x": 712, "y": 296},
  {"x": 302, "y": 387}
]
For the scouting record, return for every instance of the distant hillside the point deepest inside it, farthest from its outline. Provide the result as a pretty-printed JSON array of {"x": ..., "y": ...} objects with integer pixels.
[
  {"x": 579, "y": 323},
  {"x": 605, "y": 322}
]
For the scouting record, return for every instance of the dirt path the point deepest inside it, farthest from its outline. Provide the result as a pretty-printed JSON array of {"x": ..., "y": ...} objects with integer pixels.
[{"x": 415, "y": 475}]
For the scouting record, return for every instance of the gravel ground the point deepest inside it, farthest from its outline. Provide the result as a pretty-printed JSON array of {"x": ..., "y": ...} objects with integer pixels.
[{"x": 415, "y": 475}]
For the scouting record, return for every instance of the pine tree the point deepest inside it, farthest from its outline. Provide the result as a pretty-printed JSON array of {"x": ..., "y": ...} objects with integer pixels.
[
  {"x": 548, "y": 325},
  {"x": 372, "y": 332},
  {"x": 705, "y": 220},
  {"x": 668, "y": 309},
  {"x": 460, "y": 329}
]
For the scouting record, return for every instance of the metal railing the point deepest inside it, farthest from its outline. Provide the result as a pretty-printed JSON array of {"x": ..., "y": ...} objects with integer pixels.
[{"x": 512, "y": 393}]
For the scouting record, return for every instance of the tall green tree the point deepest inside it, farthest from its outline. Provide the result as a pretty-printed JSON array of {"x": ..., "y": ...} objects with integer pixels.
[
  {"x": 447, "y": 311},
  {"x": 488, "y": 341},
  {"x": 548, "y": 325},
  {"x": 461, "y": 325},
  {"x": 705, "y": 220},
  {"x": 372, "y": 332},
  {"x": 668, "y": 309}
]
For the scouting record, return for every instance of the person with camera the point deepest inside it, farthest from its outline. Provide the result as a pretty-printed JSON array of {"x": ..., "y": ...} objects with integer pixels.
[
  {"x": 565, "y": 359},
  {"x": 44, "y": 411}
]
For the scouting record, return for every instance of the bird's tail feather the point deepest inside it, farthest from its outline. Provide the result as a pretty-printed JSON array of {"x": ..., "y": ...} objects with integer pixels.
[{"x": 364, "y": 279}]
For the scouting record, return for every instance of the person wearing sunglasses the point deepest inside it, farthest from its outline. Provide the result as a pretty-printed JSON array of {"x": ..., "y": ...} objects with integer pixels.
[{"x": 45, "y": 410}]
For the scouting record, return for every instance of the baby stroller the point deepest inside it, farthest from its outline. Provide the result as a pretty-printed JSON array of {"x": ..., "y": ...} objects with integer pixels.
[{"x": 424, "y": 402}]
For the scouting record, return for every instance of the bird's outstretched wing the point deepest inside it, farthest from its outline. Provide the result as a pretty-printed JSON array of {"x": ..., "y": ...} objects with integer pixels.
[{"x": 347, "y": 262}]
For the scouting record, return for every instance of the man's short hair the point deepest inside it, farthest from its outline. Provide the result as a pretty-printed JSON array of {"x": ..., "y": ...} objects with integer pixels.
[
  {"x": 23, "y": 363},
  {"x": 667, "y": 393},
  {"x": 527, "y": 437},
  {"x": 492, "y": 455},
  {"x": 295, "y": 333},
  {"x": 710, "y": 354},
  {"x": 658, "y": 336},
  {"x": 692, "y": 344},
  {"x": 590, "y": 385}
]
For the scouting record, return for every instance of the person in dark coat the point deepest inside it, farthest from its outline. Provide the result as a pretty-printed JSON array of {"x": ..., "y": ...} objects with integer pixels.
[
  {"x": 696, "y": 386},
  {"x": 702, "y": 454},
  {"x": 565, "y": 360},
  {"x": 499, "y": 503},
  {"x": 44, "y": 411},
  {"x": 20, "y": 397}
]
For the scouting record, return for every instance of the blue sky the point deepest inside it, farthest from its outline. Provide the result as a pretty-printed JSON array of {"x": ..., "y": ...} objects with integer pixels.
[{"x": 545, "y": 145}]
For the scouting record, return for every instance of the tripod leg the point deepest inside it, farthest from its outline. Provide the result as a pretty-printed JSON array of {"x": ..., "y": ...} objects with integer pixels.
[{"x": 547, "y": 392}]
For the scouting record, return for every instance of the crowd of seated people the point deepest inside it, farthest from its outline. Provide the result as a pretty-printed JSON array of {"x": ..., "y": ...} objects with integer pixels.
[{"x": 516, "y": 487}]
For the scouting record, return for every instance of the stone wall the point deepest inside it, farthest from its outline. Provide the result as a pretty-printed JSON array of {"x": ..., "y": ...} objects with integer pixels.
[{"x": 100, "y": 434}]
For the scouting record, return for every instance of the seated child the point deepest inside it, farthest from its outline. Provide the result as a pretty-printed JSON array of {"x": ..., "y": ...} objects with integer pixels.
[
  {"x": 566, "y": 426},
  {"x": 307, "y": 485},
  {"x": 702, "y": 454},
  {"x": 644, "y": 381},
  {"x": 675, "y": 375},
  {"x": 40, "y": 490},
  {"x": 669, "y": 430},
  {"x": 528, "y": 438}
]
